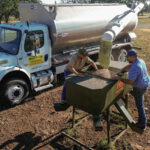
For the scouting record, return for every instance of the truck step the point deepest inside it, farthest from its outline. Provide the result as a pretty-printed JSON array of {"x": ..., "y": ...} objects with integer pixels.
[{"x": 43, "y": 87}]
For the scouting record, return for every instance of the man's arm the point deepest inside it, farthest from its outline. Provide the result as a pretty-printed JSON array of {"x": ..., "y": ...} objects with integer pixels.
[
  {"x": 132, "y": 76},
  {"x": 125, "y": 69},
  {"x": 126, "y": 81},
  {"x": 93, "y": 65},
  {"x": 73, "y": 70}
]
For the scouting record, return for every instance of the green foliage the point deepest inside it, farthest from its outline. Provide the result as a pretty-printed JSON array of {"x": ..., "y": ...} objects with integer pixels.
[
  {"x": 127, "y": 146},
  {"x": 115, "y": 1},
  {"x": 104, "y": 145},
  {"x": 10, "y": 8},
  {"x": 127, "y": 2},
  {"x": 121, "y": 126},
  {"x": 142, "y": 41},
  {"x": 147, "y": 8},
  {"x": 68, "y": 131}
]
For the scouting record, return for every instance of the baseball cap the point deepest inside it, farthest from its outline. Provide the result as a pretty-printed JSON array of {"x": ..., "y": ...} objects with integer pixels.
[
  {"x": 83, "y": 52},
  {"x": 131, "y": 52}
]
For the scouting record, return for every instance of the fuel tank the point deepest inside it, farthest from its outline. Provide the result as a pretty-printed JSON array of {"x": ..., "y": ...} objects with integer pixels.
[
  {"x": 72, "y": 25},
  {"x": 76, "y": 24}
]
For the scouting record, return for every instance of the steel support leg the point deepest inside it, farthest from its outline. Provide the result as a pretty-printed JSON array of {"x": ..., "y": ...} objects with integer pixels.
[
  {"x": 126, "y": 106},
  {"x": 73, "y": 117},
  {"x": 108, "y": 125}
]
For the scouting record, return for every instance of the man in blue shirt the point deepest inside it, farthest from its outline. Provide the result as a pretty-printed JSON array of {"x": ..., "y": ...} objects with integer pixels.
[{"x": 139, "y": 79}]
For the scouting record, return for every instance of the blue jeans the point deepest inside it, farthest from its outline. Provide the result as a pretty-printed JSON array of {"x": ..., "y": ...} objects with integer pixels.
[
  {"x": 63, "y": 95},
  {"x": 138, "y": 94}
]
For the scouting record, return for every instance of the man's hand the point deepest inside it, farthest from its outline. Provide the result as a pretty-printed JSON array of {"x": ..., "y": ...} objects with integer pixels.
[
  {"x": 80, "y": 74},
  {"x": 73, "y": 70},
  {"x": 116, "y": 77}
]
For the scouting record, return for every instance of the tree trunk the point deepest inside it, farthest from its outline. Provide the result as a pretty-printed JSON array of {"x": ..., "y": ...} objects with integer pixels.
[
  {"x": 0, "y": 19},
  {"x": 6, "y": 18}
]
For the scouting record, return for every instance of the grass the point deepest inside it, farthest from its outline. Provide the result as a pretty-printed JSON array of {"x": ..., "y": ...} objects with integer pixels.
[
  {"x": 127, "y": 146},
  {"x": 69, "y": 131},
  {"x": 121, "y": 126},
  {"x": 145, "y": 19},
  {"x": 105, "y": 146},
  {"x": 13, "y": 19},
  {"x": 143, "y": 38}
]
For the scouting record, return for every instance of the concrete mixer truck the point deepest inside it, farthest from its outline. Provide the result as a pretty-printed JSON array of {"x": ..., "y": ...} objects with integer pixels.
[{"x": 35, "y": 51}]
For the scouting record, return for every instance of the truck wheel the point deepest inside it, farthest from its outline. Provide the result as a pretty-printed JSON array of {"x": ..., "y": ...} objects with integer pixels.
[
  {"x": 119, "y": 54},
  {"x": 14, "y": 91},
  {"x": 112, "y": 57},
  {"x": 122, "y": 55}
]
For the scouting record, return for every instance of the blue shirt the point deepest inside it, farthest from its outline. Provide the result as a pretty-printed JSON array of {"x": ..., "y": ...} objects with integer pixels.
[{"x": 138, "y": 73}]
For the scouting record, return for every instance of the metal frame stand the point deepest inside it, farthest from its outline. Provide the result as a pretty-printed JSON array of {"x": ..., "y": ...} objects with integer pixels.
[
  {"x": 73, "y": 117},
  {"x": 108, "y": 125},
  {"x": 126, "y": 106},
  {"x": 125, "y": 99}
]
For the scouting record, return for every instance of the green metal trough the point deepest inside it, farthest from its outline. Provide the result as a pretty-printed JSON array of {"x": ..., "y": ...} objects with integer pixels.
[{"x": 95, "y": 94}]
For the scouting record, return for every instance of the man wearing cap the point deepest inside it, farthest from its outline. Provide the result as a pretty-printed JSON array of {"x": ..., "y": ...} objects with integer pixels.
[
  {"x": 139, "y": 79},
  {"x": 76, "y": 63}
]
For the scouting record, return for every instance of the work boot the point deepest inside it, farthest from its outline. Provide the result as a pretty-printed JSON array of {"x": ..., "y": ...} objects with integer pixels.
[
  {"x": 97, "y": 124},
  {"x": 139, "y": 126},
  {"x": 61, "y": 106}
]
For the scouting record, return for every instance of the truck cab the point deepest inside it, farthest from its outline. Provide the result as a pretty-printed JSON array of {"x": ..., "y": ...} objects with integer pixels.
[{"x": 25, "y": 58}]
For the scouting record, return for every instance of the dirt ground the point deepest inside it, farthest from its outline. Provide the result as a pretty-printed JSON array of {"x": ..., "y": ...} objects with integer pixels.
[{"x": 35, "y": 125}]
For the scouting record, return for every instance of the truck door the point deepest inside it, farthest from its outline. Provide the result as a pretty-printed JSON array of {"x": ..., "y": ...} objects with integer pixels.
[{"x": 36, "y": 54}]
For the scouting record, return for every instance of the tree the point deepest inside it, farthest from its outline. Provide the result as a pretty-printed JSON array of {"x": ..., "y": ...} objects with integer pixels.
[
  {"x": 2, "y": 10},
  {"x": 117, "y": 1},
  {"x": 10, "y": 8}
]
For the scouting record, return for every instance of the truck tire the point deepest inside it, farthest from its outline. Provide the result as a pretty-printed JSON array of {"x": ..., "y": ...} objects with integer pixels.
[
  {"x": 122, "y": 55},
  {"x": 14, "y": 91},
  {"x": 119, "y": 54},
  {"x": 112, "y": 57}
]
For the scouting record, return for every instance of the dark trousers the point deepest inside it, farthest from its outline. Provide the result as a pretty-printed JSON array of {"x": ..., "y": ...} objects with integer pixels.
[
  {"x": 138, "y": 94},
  {"x": 63, "y": 95}
]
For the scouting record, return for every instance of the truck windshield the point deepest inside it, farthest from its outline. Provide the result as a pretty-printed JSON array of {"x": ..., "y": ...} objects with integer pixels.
[{"x": 9, "y": 40}]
